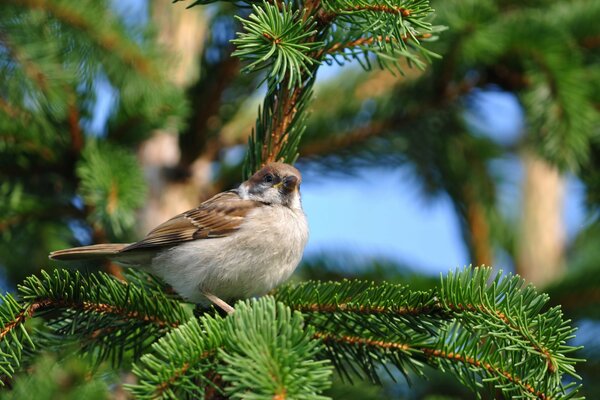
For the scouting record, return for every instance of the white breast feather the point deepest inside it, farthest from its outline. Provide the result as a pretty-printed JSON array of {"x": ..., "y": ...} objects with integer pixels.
[{"x": 259, "y": 256}]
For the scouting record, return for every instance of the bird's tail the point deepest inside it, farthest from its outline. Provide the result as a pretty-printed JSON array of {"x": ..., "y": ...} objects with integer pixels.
[{"x": 92, "y": 252}]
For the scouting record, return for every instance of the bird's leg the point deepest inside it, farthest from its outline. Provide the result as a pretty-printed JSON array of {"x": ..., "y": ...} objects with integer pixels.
[{"x": 218, "y": 302}]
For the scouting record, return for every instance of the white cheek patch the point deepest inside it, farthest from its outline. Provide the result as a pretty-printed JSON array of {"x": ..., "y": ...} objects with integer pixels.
[
  {"x": 272, "y": 196},
  {"x": 243, "y": 191}
]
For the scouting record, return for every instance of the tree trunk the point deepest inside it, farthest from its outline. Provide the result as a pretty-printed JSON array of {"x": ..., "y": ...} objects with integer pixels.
[
  {"x": 181, "y": 32},
  {"x": 541, "y": 245},
  {"x": 479, "y": 233}
]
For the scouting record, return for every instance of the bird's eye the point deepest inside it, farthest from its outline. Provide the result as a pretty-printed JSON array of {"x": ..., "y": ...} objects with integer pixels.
[{"x": 268, "y": 178}]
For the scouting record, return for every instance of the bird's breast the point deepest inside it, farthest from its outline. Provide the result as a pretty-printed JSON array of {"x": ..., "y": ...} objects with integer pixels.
[
  {"x": 275, "y": 234},
  {"x": 259, "y": 256}
]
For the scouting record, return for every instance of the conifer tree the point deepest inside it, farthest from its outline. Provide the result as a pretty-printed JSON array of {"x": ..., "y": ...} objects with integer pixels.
[
  {"x": 492, "y": 332},
  {"x": 57, "y": 170},
  {"x": 420, "y": 121}
]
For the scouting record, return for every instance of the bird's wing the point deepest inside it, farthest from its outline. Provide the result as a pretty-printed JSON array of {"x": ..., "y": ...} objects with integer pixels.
[{"x": 219, "y": 216}]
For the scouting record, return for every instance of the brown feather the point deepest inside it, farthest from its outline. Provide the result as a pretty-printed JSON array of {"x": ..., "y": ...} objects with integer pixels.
[
  {"x": 219, "y": 216},
  {"x": 92, "y": 252}
]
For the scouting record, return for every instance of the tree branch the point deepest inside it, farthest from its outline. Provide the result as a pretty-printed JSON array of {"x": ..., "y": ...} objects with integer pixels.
[
  {"x": 25, "y": 314},
  {"x": 526, "y": 335},
  {"x": 491, "y": 369},
  {"x": 327, "y": 17},
  {"x": 360, "y": 309},
  {"x": 367, "y": 41},
  {"x": 100, "y": 308},
  {"x": 206, "y": 100},
  {"x": 432, "y": 354},
  {"x": 74, "y": 127},
  {"x": 343, "y": 141},
  {"x": 32, "y": 71},
  {"x": 284, "y": 111},
  {"x": 177, "y": 373},
  {"x": 109, "y": 41}
]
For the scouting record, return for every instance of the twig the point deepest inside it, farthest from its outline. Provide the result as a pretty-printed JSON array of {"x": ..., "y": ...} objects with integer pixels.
[
  {"x": 526, "y": 336},
  {"x": 367, "y": 41},
  {"x": 328, "y": 16},
  {"x": 360, "y": 309},
  {"x": 74, "y": 127},
  {"x": 100, "y": 308},
  {"x": 344, "y": 141},
  {"x": 108, "y": 41},
  {"x": 432, "y": 353}
]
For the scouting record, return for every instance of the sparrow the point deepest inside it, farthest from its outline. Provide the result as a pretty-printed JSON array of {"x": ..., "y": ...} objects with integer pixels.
[{"x": 238, "y": 244}]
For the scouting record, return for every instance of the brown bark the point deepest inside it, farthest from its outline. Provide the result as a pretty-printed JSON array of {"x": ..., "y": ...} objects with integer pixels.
[
  {"x": 541, "y": 244},
  {"x": 479, "y": 230},
  {"x": 181, "y": 32}
]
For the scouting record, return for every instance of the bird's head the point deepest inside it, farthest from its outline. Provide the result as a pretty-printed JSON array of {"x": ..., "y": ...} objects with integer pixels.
[{"x": 275, "y": 183}]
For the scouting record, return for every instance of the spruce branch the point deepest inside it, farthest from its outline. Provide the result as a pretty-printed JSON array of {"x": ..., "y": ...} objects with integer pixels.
[
  {"x": 30, "y": 68},
  {"x": 292, "y": 44},
  {"x": 74, "y": 15},
  {"x": 279, "y": 39},
  {"x": 508, "y": 382},
  {"x": 37, "y": 77},
  {"x": 545, "y": 333},
  {"x": 14, "y": 338},
  {"x": 115, "y": 194},
  {"x": 268, "y": 353},
  {"x": 261, "y": 351},
  {"x": 394, "y": 10},
  {"x": 490, "y": 333},
  {"x": 181, "y": 362},
  {"x": 104, "y": 315},
  {"x": 366, "y": 42},
  {"x": 352, "y": 316},
  {"x": 279, "y": 126}
]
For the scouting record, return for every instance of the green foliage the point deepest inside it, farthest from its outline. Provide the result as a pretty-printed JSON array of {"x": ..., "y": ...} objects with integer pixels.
[
  {"x": 290, "y": 40},
  {"x": 14, "y": 335},
  {"x": 106, "y": 317},
  {"x": 267, "y": 353},
  {"x": 262, "y": 351},
  {"x": 180, "y": 363},
  {"x": 117, "y": 191},
  {"x": 366, "y": 325},
  {"x": 389, "y": 30},
  {"x": 88, "y": 40},
  {"x": 505, "y": 323},
  {"x": 491, "y": 333},
  {"x": 277, "y": 39},
  {"x": 262, "y": 145},
  {"x": 56, "y": 56},
  {"x": 491, "y": 336},
  {"x": 71, "y": 379}
]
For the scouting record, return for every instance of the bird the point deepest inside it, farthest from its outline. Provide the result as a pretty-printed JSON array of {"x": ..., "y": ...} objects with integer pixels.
[{"x": 239, "y": 244}]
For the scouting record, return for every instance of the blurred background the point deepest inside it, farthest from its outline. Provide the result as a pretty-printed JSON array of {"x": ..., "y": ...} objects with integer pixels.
[{"x": 117, "y": 115}]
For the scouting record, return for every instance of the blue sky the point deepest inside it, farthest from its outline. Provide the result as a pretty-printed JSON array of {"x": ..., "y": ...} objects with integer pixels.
[
  {"x": 381, "y": 213},
  {"x": 388, "y": 217}
]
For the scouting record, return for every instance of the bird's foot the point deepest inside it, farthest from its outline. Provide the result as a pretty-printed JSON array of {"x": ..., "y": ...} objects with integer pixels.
[{"x": 218, "y": 302}]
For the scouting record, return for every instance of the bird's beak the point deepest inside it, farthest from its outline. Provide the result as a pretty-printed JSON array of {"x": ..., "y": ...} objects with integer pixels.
[{"x": 290, "y": 183}]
